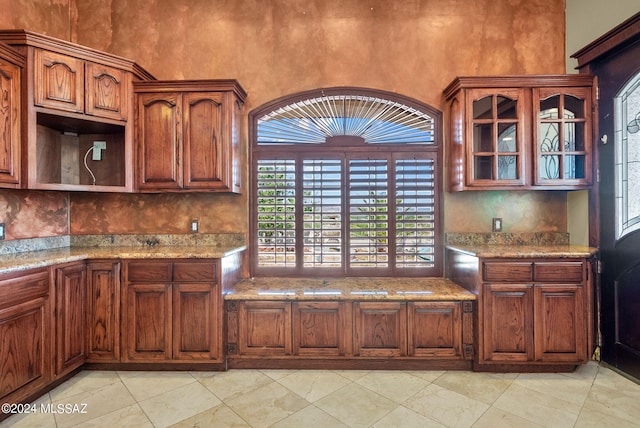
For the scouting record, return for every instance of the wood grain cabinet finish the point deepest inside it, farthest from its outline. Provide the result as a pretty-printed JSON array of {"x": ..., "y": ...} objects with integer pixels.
[
  {"x": 70, "y": 321},
  {"x": 435, "y": 329},
  {"x": 71, "y": 84},
  {"x": 26, "y": 331},
  {"x": 334, "y": 331},
  {"x": 538, "y": 315},
  {"x": 321, "y": 328},
  {"x": 11, "y": 67},
  {"x": 380, "y": 329},
  {"x": 172, "y": 311},
  {"x": 103, "y": 311},
  {"x": 73, "y": 96},
  {"x": 188, "y": 135},
  {"x": 264, "y": 328},
  {"x": 506, "y": 132}
]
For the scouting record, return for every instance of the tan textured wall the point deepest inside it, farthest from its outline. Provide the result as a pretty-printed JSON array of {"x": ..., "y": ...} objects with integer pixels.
[{"x": 279, "y": 47}]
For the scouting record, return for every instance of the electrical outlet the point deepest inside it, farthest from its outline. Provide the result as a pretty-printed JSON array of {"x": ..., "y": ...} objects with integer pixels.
[
  {"x": 497, "y": 224},
  {"x": 98, "y": 147},
  {"x": 1, "y": 231},
  {"x": 194, "y": 226}
]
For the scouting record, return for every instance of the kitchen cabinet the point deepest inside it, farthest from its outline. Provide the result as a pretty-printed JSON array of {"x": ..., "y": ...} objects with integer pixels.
[
  {"x": 76, "y": 103},
  {"x": 344, "y": 333},
  {"x": 520, "y": 132},
  {"x": 321, "y": 328},
  {"x": 103, "y": 310},
  {"x": 68, "y": 83},
  {"x": 264, "y": 328},
  {"x": 532, "y": 312},
  {"x": 188, "y": 135},
  {"x": 26, "y": 332},
  {"x": 444, "y": 336},
  {"x": 172, "y": 311},
  {"x": 380, "y": 329},
  {"x": 11, "y": 68},
  {"x": 70, "y": 311}
]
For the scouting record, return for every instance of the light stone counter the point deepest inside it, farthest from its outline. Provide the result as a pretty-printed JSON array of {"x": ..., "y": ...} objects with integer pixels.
[
  {"x": 525, "y": 251},
  {"x": 33, "y": 259},
  {"x": 371, "y": 288}
]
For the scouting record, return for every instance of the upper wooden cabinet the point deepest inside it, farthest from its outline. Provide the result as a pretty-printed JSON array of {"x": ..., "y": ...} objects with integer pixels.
[
  {"x": 76, "y": 104},
  {"x": 188, "y": 135},
  {"x": 11, "y": 66},
  {"x": 520, "y": 132},
  {"x": 68, "y": 83}
]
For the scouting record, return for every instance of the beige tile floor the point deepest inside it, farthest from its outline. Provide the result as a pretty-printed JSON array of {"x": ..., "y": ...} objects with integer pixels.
[{"x": 592, "y": 396}]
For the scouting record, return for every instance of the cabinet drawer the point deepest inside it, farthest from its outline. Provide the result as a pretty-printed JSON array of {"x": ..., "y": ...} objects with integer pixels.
[
  {"x": 508, "y": 271},
  {"x": 184, "y": 272},
  {"x": 149, "y": 271},
  {"x": 558, "y": 271},
  {"x": 23, "y": 286}
]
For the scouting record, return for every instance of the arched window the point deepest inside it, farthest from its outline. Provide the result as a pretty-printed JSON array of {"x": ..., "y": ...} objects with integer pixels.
[{"x": 345, "y": 182}]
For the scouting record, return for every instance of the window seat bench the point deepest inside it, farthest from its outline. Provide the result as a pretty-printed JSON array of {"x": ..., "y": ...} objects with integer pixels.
[{"x": 349, "y": 323}]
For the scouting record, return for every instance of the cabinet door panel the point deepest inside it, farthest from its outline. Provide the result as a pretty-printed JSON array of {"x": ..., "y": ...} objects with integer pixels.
[
  {"x": 107, "y": 91},
  {"x": 507, "y": 322},
  {"x": 103, "y": 311},
  {"x": 205, "y": 143},
  {"x": 196, "y": 333},
  {"x": 148, "y": 321},
  {"x": 71, "y": 286},
  {"x": 435, "y": 329},
  {"x": 381, "y": 329},
  {"x": 562, "y": 141},
  {"x": 23, "y": 354},
  {"x": 10, "y": 119},
  {"x": 495, "y": 137},
  {"x": 59, "y": 81},
  {"x": 560, "y": 329},
  {"x": 264, "y": 328},
  {"x": 159, "y": 141},
  {"x": 320, "y": 328}
]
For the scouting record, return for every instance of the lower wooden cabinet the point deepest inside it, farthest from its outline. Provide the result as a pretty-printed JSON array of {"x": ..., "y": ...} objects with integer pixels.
[
  {"x": 321, "y": 328},
  {"x": 349, "y": 329},
  {"x": 531, "y": 312},
  {"x": 172, "y": 311},
  {"x": 25, "y": 334},
  {"x": 103, "y": 311},
  {"x": 264, "y": 328},
  {"x": 435, "y": 329},
  {"x": 70, "y": 324},
  {"x": 380, "y": 329}
]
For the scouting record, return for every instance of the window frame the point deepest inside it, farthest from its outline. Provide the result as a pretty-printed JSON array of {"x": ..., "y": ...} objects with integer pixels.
[{"x": 346, "y": 147}]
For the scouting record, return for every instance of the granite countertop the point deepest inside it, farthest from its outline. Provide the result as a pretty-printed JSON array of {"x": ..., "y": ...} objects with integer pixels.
[
  {"x": 33, "y": 259},
  {"x": 397, "y": 289},
  {"x": 524, "y": 251}
]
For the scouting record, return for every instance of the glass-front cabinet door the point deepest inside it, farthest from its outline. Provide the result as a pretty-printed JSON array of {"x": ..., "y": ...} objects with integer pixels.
[
  {"x": 496, "y": 126},
  {"x": 562, "y": 136}
]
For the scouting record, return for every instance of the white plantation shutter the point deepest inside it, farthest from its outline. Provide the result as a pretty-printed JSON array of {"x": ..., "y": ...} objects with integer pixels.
[
  {"x": 368, "y": 213},
  {"x": 415, "y": 213},
  {"x": 322, "y": 212},
  {"x": 345, "y": 184},
  {"x": 276, "y": 212}
]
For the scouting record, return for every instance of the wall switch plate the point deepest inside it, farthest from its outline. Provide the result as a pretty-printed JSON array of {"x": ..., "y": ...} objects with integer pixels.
[
  {"x": 497, "y": 224},
  {"x": 1, "y": 231},
  {"x": 98, "y": 147},
  {"x": 194, "y": 226}
]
